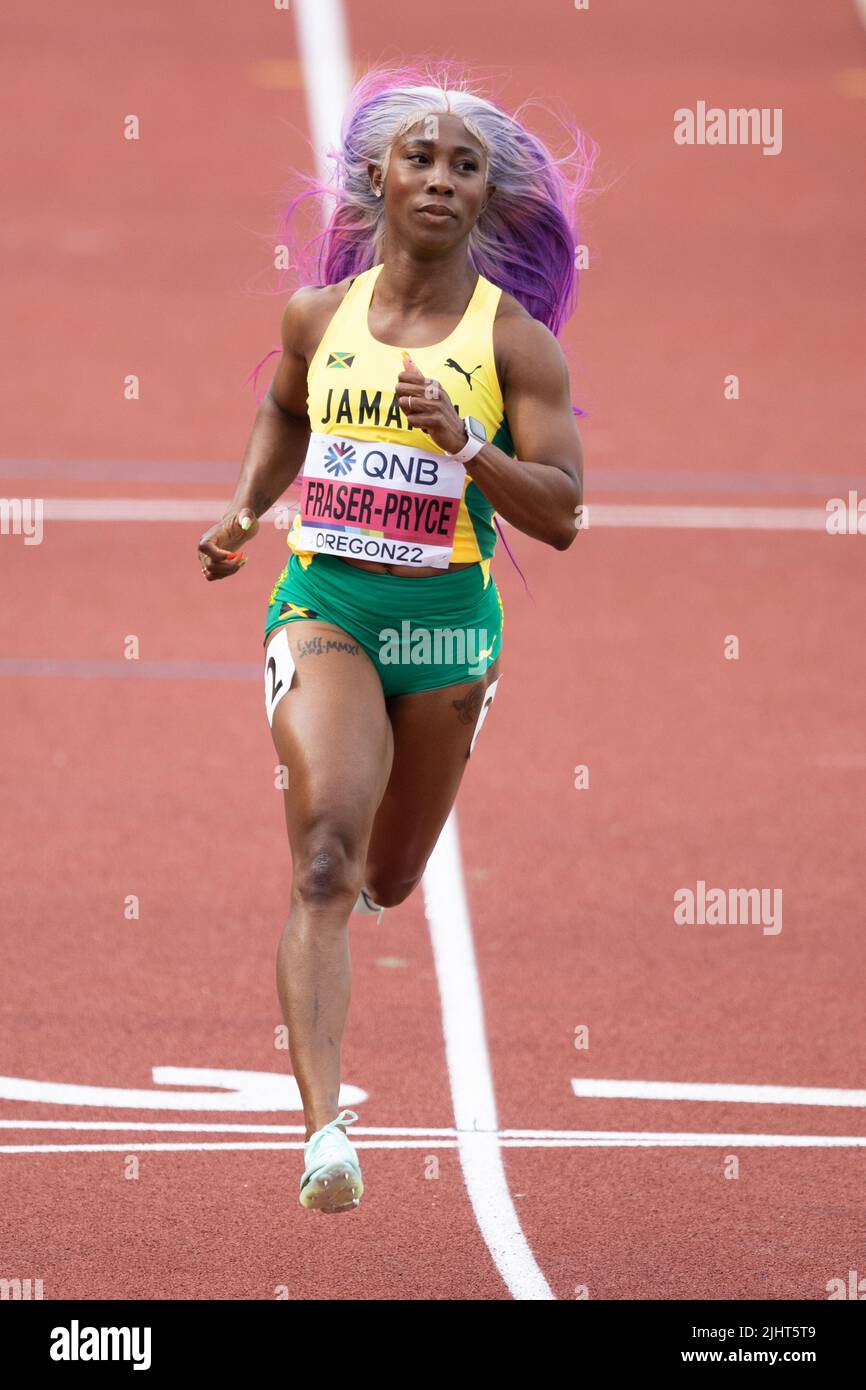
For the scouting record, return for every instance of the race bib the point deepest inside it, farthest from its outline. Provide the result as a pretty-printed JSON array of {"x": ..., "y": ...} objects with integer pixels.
[
  {"x": 279, "y": 671},
  {"x": 388, "y": 502},
  {"x": 489, "y": 696}
]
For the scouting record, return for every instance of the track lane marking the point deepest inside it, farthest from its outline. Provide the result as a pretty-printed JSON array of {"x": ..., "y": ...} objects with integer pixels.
[
  {"x": 675, "y": 482},
  {"x": 645, "y": 516},
  {"x": 718, "y": 1092},
  {"x": 73, "y": 668},
  {"x": 469, "y": 1071},
  {"x": 503, "y": 1247},
  {"x": 327, "y": 71}
]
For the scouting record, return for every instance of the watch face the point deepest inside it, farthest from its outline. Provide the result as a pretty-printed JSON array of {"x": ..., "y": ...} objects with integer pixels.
[{"x": 475, "y": 428}]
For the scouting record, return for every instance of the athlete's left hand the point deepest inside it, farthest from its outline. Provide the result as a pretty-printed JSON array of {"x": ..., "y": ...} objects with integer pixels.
[
  {"x": 427, "y": 407},
  {"x": 236, "y": 527}
]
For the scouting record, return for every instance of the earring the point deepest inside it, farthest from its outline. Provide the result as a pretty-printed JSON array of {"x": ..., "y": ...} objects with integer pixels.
[{"x": 378, "y": 192}]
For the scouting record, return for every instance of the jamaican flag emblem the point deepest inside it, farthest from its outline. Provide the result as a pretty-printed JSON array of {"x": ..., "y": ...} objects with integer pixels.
[
  {"x": 294, "y": 610},
  {"x": 340, "y": 359}
]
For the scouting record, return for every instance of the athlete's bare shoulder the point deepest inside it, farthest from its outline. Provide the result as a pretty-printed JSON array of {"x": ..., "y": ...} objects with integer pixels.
[
  {"x": 522, "y": 343},
  {"x": 510, "y": 308},
  {"x": 307, "y": 315},
  {"x": 513, "y": 322}
]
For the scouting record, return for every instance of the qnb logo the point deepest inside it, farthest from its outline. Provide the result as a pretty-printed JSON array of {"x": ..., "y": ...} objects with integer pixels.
[
  {"x": 15, "y": 1290},
  {"x": 339, "y": 458},
  {"x": 423, "y": 472},
  {"x": 77, "y": 1343}
]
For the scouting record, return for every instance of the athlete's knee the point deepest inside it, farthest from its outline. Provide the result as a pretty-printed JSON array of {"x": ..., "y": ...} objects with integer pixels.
[{"x": 328, "y": 865}]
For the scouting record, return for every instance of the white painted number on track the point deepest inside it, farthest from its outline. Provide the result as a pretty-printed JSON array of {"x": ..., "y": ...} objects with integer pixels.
[{"x": 235, "y": 1090}]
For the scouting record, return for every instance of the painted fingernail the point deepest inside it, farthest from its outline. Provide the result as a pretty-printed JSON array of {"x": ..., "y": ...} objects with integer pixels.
[
  {"x": 241, "y": 565},
  {"x": 232, "y": 554}
]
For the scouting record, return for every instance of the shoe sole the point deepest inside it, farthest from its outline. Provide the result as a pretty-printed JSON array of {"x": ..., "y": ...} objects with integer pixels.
[{"x": 333, "y": 1189}]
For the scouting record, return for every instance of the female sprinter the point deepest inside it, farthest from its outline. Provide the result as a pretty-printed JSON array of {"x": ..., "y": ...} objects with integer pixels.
[{"x": 422, "y": 388}]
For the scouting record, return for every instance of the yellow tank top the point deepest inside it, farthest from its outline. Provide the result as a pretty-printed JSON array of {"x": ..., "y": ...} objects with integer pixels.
[{"x": 350, "y": 392}]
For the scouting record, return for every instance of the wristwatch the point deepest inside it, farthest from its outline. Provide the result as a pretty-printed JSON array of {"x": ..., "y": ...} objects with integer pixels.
[{"x": 476, "y": 438}]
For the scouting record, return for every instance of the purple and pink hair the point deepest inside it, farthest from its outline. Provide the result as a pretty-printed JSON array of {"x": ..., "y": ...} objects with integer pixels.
[{"x": 525, "y": 239}]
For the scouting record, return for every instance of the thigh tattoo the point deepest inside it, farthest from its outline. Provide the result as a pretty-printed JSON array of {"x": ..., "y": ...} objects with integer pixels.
[
  {"x": 468, "y": 706},
  {"x": 319, "y": 646},
  {"x": 473, "y": 707}
]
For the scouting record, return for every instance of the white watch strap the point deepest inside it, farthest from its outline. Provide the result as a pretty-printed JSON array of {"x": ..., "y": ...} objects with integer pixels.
[{"x": 469, "y": 450}]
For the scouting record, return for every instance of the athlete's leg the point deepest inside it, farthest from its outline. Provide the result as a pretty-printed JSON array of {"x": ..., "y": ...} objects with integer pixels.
[
  {"x": 432, "y": 734},
  {"x": 332, "y": 733}
]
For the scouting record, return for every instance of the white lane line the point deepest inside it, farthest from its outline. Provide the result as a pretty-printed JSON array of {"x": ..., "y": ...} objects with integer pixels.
[
  {"x": 613, "y": 1140},
  {"x": 716, "y": 1091},
  {"x": 397, "y": 1137},
  {"x": 707, "y": 518},
  {"x": 324, "y": 51},
  {"x": 509, "y": 1139},
  {"x": 133, "y": 509},
  {"x": 618, "y": 515},
  {"x": 469, "y": 1071},
  {"x": 184, "y": 1127},
  {"x": 398, "y": 1133}
]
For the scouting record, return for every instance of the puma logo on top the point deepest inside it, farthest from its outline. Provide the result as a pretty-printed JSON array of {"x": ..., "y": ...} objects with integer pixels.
[{"x": 455, "y": 366}]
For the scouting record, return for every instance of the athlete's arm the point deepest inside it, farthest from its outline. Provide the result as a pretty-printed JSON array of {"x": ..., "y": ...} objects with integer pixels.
[
  {"x": 278, "y": 442},
  {"x": 276, "y": 449},
  {"x": 540, "y": 489}
]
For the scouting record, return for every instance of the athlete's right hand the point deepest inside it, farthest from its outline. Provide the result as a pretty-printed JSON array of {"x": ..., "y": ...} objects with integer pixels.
[{"x": 219, "y": 550}]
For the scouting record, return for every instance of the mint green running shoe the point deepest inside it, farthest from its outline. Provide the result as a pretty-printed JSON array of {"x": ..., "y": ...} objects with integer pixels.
[{"x": 332, "y": 1174}]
